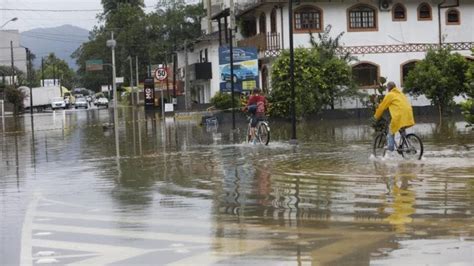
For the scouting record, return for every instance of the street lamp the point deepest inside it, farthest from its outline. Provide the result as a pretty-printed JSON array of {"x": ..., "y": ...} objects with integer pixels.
[
  {"x": 4, "y": 24},
  {"x": 111, "y": 44},
  {"x": 292, "y": 74}
]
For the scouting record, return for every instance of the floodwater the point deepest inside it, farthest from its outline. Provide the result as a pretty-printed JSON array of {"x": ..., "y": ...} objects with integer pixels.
[{"x": 184, "y": 194}]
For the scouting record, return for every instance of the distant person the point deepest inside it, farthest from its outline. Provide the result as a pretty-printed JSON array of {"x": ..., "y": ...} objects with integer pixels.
[
  {"x": 256, "y": 106},
  {"x": 401, "y": 112}
]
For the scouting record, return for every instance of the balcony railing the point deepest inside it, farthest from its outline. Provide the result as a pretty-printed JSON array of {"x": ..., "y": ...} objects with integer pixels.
[{"x": 264, "y": 42}]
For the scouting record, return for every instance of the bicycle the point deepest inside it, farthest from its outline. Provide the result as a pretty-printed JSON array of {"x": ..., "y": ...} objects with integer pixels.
[
  {"x": 262, "y": 131},
  {"x": 410, "y": 145}
]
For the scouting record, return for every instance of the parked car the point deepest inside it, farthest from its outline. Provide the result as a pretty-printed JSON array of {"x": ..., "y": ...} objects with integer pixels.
[
  {"x": 240, "y": 73},
  {"x": 102, "y": 102},
  {"x": 57, "y": 103},
  {"x": 81, "y": 102}
]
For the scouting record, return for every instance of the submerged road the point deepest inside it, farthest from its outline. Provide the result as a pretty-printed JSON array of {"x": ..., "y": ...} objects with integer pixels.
[{"x": 184, "y": 194}]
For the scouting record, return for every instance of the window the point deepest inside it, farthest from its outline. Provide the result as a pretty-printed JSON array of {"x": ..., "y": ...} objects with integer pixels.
[
  {"x": 262, "y": 23},
  {"x": 399, "y": 12},
  {"x": 406, "y": 68},
  {"x": 366, "y": 74},
  {"x": 424, "y": 12},
  {"x": 453, "y": 17},
  {"x": 308, "y": 18},
  {"x": 362, "y": 18},
  {"x": 273, "y": 21}
]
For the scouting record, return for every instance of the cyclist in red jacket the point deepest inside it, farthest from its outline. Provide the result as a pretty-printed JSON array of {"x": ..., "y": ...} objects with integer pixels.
[{"x": 256, "y": 106}]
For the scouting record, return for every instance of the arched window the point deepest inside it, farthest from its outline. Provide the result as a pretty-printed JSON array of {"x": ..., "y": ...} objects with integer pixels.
[
  {"x": 262, "y": 23},
  {"x": 308, "y": 18},
  {"x": 406, "y": 68},
  {"x": 362, "y": 17},
  {"x": 453, "y": 17},
  {"x": 273, "y": 21},
  {"x": 399, "y": 12},
  {"x": 366, "y": 74},
  {"x": 424, "y": 11}
]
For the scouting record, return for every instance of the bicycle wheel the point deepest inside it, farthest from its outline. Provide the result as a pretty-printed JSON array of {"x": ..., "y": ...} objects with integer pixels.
[
  {"x": 380, "y": 142},
  {"x": 412, "y": 147},
  {"x": 249, "y": 136},
  {"x": 263, "y": 133}
]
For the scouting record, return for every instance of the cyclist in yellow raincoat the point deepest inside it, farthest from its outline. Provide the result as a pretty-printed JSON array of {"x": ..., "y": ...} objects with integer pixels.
[{"x": 400, "y": 109}]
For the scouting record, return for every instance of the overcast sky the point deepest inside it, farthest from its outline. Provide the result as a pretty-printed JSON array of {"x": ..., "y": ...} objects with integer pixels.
[{"x": 39, "y": 18}]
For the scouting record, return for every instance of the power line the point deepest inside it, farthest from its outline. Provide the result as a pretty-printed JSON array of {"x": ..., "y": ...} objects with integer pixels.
[
  {"x": 51, "y": 10},
  {"x": 57, "y": 10}
]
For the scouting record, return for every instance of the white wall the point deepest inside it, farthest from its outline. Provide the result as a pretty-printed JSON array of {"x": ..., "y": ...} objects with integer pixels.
[{"x": 19, "y": 53}]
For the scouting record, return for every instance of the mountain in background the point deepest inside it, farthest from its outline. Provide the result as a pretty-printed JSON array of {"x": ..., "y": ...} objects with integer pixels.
[{"x": 62, "y": 41}]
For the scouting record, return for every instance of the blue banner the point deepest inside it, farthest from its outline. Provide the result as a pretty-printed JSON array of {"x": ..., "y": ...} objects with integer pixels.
[{"x": 245, "y": 69}]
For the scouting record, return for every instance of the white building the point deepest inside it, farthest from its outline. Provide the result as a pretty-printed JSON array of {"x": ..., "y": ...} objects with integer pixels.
[
  {"x": 387, "y": 37},
  {"x": 9, "y": 39}
]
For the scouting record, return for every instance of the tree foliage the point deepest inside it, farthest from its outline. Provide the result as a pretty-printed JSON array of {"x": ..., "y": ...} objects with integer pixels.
[
  {"x": 440, "y": 77},
  {"x": 321, "y": 76},
  {"x": 6, "y": 72},
  {"x": 150, "y": 37},
  {"x": 470, "y": 78},
  {"x": 223, "y": 101},
  {"x": 53, "y": 67}
]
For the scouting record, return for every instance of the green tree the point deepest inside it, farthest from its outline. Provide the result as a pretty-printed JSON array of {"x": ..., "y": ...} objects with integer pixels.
[
  {"x": 16, "y": 97},
  {"x": 440, "y": 77},
  {"x": 321, "y": 76},
  {"x": 5, "y": 75},
  {"x": 55, "y": 68},
  {"x": 152, "y": 38},
  {"x": 470, "y": 78}
]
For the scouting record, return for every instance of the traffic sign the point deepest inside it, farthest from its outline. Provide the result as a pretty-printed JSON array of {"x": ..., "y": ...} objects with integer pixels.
[{"x": 161, "y": 73}]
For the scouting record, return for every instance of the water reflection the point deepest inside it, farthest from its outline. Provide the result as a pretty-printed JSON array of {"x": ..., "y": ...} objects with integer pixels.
[
  {"x": 399, "y": 200},
  {"x": 312, "y": 202}
]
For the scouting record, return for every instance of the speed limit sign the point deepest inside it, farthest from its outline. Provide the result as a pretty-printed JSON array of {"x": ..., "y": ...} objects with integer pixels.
[{"x": 161, "y": 73}]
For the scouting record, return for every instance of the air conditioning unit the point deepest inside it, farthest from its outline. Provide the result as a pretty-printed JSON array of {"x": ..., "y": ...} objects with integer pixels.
[{"x": 385, "y": 5}]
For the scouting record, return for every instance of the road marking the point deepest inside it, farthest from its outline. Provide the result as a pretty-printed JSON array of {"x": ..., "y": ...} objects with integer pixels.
[
  {"x": 108, "y": 254},
  {"x": 26, "y": 251},
  {"x": 121, "y": 233}
]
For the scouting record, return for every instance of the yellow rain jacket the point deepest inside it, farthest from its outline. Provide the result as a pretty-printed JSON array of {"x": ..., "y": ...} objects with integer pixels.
[{"x": 400, "y": 110}]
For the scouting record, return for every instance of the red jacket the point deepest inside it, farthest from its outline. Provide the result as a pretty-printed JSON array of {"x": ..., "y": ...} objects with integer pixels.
[{"x": 258, "y": 100}]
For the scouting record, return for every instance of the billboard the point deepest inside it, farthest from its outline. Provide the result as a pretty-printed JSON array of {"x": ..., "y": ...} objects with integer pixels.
[{"x": 245, "y": 69}]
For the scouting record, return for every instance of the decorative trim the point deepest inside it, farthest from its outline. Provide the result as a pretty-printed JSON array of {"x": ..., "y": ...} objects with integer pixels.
[
  {"x": 404, "y": 48},
  {"x": 387, "y": 49},
  {"x": 272, "y": 53}
]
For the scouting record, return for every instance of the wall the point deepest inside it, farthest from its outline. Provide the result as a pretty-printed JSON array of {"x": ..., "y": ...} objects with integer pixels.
[{"x": 19, "y": 53}]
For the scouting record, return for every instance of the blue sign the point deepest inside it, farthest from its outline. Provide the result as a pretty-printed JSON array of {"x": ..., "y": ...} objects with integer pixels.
[{"x": 245, "y": 69}]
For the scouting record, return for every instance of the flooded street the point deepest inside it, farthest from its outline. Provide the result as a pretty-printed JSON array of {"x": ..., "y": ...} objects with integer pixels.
[{"x": 180, "y": 193}]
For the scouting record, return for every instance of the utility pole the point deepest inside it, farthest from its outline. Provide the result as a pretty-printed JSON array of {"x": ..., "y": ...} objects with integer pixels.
[
  {"x": 42, "y": 71},
  {"x": 292, "y": 74},
  {"x": 209, "y": 15},
  {"x": 54, "y": 73},
  {"x": 231, "y": 54},
  {"x": 28, "y": 75},
  {"x": 167, "y": 80},
  {"x": 112, "y": 43},
  {"x": 13, "y": 64},
  {"x": 131, "y": 78},
  {"x": 136, "y": 78},
  {"x": 175, "y": 69},
  {"x": 187, "y": 96}
]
